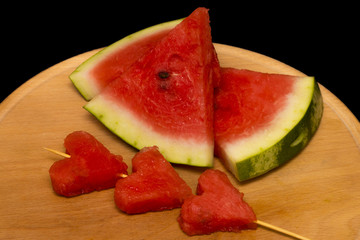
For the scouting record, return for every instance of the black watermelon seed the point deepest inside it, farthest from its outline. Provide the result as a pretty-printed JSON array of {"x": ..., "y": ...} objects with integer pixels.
[{"x": 163, "y": 75}]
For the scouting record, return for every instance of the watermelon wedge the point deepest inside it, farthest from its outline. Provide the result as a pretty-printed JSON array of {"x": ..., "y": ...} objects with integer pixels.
[
  {"x": 166, "y": 97},
  {"x": 263, "y": 120},
  {"x": 106, "y": 65}
]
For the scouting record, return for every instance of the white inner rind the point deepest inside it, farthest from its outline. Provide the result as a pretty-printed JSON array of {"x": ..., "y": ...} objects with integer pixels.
[
  {"x": 85, "y": 82},
  {"x": 139, "y": 134},
  {"x": 298, "y": 102}
]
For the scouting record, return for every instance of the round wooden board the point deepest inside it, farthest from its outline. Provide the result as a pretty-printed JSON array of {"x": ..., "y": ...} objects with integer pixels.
[{"x": 317, "y": 194}]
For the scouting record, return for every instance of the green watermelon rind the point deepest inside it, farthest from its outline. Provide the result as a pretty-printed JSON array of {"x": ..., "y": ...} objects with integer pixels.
[
  {"x": 138, "y": 134},
  {"x": 80, "y": 77},
  {"x": 287, "y": 147}
]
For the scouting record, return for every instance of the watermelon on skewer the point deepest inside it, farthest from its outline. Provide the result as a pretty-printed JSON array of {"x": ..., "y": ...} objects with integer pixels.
[
  {"x": 154, "y": 185},
  {"x": 91, "y": 167},
  {"x": 218, "y": 206}
]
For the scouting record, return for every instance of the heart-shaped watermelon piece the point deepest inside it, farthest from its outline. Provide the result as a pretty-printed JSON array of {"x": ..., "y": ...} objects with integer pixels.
[
  {"x": 91, "y": 166},
  {"x": 218, "y": 206},
  {"x": 154, "y": 185}
]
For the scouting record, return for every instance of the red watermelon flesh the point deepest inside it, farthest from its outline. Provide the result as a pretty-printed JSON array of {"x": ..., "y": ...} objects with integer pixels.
[
  {"x": 166, "y": 97},
  {"x": 91, "y": 166},
  {"x": 106, "y": 65},
  {"x": 219, "y": 206},
  {"x": 247, "y": 101},
  {"x": 119, "y": 61},
  {"x": 154, "y": 185},
  {"x": 173, "y": 81}
]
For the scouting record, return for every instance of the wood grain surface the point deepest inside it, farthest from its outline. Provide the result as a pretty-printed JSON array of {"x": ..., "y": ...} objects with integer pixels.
[{"x": 317, "y": 194}]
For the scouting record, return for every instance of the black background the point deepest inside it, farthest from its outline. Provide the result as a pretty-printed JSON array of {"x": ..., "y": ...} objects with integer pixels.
[{"x": 319, "y": 40}]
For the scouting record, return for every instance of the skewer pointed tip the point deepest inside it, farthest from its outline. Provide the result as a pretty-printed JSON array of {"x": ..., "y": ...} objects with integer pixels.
[
  {"x": 57, "y": 152},
  {"x": 281, "y": 230}
]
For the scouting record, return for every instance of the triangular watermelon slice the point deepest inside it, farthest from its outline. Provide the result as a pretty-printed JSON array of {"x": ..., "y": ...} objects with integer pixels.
[
  {"x": 105, "y": 66},
  {"x": 263, "y": 120},
  {"x": 166, "y": 97}
]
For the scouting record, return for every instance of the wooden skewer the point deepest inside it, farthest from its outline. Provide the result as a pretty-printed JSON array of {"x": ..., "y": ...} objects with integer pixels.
[
  {"x": 122, "y": 175},
  {"x": 58, "y": 153},
  {"x": 261, "y": 223},
  {"x": 281, "y": 230}
]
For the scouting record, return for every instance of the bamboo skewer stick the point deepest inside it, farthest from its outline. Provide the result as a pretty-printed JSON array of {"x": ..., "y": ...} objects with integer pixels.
[
  {"x": 57, "y": 152},
  {"x": 122, "y": 175},
  {"x": 261, "y": 223},
  {"x": 281, "y": 230}
]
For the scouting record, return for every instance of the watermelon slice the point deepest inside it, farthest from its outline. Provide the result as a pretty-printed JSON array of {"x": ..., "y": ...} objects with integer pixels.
[
  {"x": 91, "y": 166},
  {"x": 263, "y": 120},
  {"x": 166, "y": 97},
  {"x": 219, "y": 206},
  {"x": 105, "y": 66},
  {"x": 154, "y": 185}
]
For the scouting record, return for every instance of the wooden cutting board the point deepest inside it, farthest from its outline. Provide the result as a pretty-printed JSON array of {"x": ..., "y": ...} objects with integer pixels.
[{"x": 316, "y": 195}]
